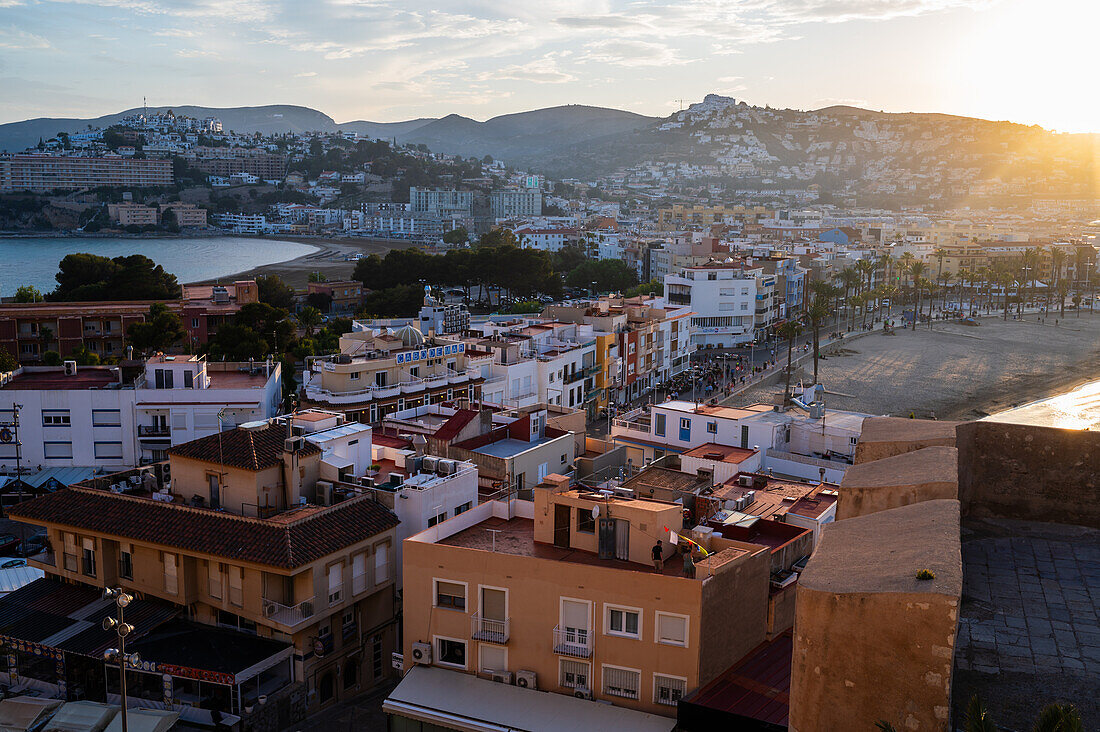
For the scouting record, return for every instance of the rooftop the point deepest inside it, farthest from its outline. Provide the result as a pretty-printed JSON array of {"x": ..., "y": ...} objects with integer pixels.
[
  {"x": 656, "y": 478},
  {"x": 510, "y": 447},
  {"x": 249, "y": 449},
  {"x": 756, "y": 688},
  {"x": 53, "y": 378},
  {"x": 516, "y": 536},
  {"x": 290, "y": 539},
  {"x": 776, "y": 497},
  {"x": 679, "y": 405},
  {"x": 720, "y": 453}
]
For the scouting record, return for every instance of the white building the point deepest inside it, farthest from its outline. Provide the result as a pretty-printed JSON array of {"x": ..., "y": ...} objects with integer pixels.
[
  {"x": 88, "y": 416},
  {"x": 515, "y": 203},
  {"x": 731, "y": 303}
]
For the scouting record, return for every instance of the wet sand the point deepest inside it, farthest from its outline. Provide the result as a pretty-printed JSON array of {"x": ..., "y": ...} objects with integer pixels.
[
  {"x": 330, "y": 259},
  {"x": 956, "y": 371}
]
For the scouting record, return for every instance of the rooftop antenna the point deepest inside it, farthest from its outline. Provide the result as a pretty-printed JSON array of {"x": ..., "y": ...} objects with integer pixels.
[
  {"x": 145, "y": 107},
  {"x": 494, "y": 532},
  {"x": 681, "y": 101}
]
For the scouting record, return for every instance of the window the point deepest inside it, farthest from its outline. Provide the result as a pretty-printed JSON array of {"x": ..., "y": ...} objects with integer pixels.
[
  {"x": 354, "y": 376},
  {"x": 188, "y": 379},
  {"x": 358, "y": 573},
  {"x": 379, "y": 378},
  {"x": 126, "y": 562},
  {"x": 57, "y": 449},
  {"x": 108, "y": 450},
  {"x": 88, "y": 557},
  {"x": 414, "y": 372},
  {"x": 70, "y": 553},
  {"x": 437, "y": 519},
  {"x": 671, "y": 629},
  {"x": 194, "y": 322},
  {"x": 463, "y": 508},
  {"x": 236, "y": 585},
  {"x": 335, "y": 583},
  {"x": 214, "y": 579},
  {"x": 171, "y": 577},
  {"x": 712, "y": 428},
  {"x": 348, "y": 625},
  {"x": 623, "y": 621},
  {"x": 162, "y": 378},
  {"x": 450, "y": 652},
  {"x": 563, "y": 459},
  {"x": 492, "y": 658},
  {"x": 586, "y": 524},
  {"x": 622, "y": 682},
  {"x": 106, "y": 418},
  {"x": 668, "y": 689},
  {"x": 451, "y": 595},
  {"x": 55, "y": 418},
  {"x": 574, "y": 674},
  {"x": 659, "y": 424},
  {"x": 381, "y": 563}
]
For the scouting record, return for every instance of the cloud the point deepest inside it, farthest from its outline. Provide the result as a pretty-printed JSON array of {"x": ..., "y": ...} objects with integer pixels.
[
  {"x": 305, "y": 74},
  {"x": 15, "y": 39},
  {"x": 630, "y": 53},
  {"x": 539, "y": 71}
]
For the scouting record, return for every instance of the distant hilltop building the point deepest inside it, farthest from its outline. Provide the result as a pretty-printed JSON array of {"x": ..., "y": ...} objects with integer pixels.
[{"x": 168, "y": 121}]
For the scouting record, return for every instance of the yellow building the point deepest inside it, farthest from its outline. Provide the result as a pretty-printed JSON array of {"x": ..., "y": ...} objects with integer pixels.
[
  {"x": 561, "y": 594},
  {"x": 233, "y": 540},
  {"x": 679, "y": 216}
]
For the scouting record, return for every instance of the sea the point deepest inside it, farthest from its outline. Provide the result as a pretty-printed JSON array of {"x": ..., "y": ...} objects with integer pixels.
[
  {"x": 1078, "y": 409},
  {"x": 33, "y": 261}
]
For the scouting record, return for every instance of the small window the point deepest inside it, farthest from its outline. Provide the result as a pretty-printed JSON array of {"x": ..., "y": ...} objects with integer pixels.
[
  {"x": 685, "y": 423},
  {"x": 437, "y": 519},
  {"x": 171, "y": 577},
  {"x": 57, "y": 450},
  {"x": 108, "y": 450},
  {"x": 668, "y": 690},
  {"x": 88, "y": 563},
  {"x": 575, "y": 674},
  {"x": 188, "y": 379},
  {"x": 451, "y": 595},
  {"x": 671, "y": 629},
  {"x": 451, "y": 652},
  {"x": 563, "y": 459},
  {"x": 623, "y": 682},
  {"x": 126, "y": 563},
  {"x": 623, "y": 621},
  {"x": 106, "y": 418},
  {"x": 659, "y": 425},
  {"x": 56, "y": 418},
  {"x": 354, "y": 375},
  {"x": 712, "y": 428},
  {"x": 463, "y": 508},
  {"x": 586, "y": 524},
  {"x": 381, "y": 563},
  {"x": 194, "y": 322},
  {"x": 335, "y": 583}
]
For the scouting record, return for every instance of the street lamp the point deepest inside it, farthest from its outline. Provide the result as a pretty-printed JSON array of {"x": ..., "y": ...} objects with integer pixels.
[{"x": 123, "y": 629}]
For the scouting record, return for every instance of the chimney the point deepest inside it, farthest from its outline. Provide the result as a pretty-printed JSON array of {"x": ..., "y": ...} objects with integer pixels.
[
  {"x": 706, "y": 474},
  {"x": 485, "y": 420}
]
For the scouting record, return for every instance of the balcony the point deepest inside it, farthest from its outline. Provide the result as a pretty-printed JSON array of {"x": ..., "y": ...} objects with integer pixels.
[
  {"x": 154, "y": 430},
  {"x": 290, "y": 616},
  {"x": 573, "y": 642},
  {"x": 488, "y": 630}
]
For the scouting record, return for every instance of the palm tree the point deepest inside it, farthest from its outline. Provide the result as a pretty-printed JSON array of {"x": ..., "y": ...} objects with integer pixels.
[
  {"x": 819, "y": 310},
  {"x": 977, "y": 719},
  {"x": 309, "y": 318},
  {"x": 1059, "y": 718},
  {"x": 916, "y": 272},
  {"x": 1063, "y": 290},
  {"x": 887, "y": 262},
  {"x": 867, "y": 267},
  {"x": 789, "y": 330}
]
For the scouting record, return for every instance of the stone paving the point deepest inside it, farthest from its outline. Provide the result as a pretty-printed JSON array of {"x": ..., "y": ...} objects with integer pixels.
[{"x": 1031, "y": 608}]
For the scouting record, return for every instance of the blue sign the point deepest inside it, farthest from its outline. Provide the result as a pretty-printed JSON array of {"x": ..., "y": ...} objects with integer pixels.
[{"x": 435, "y": 352}]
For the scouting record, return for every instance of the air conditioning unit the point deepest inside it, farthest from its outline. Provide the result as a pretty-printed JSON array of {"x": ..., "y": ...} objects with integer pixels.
[
  {"x": 582, "y": 693},
  {"x": 503, "y": 677},
  {"x": 446, "y": 467},
  {"x": 70, "y": 368},
  {"x": 366, "y": 481},
  {"x": 422, "y": 653},
  {"x": 270, "y": 609},
  {"x": 324, "y": 493},
  {"x": 294, "y": 444},
  {"x": 343, "y": 358},
  {"x": 396, "y": 478},
  {"x": 527, "y": 679},
  {"x": 430, "y": 463},
  {"x": 745, "y": 481}
]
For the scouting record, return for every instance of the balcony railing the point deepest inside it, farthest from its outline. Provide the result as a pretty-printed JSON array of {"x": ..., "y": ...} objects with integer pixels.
[
  {"x": 156, "y": 430},
  {"x": 289, "y": 616},
  {"x": 488, "y": 629},
  {"x": 574, "y": 642}
]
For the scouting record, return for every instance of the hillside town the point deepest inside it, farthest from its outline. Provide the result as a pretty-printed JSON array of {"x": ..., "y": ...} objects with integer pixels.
[{"x": 559, "y": 455}]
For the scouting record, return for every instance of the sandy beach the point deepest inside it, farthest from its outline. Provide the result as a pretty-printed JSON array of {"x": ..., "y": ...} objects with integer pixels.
[
  {"x": 331, "y": 258},
  {"x": 956, "y": 371}
]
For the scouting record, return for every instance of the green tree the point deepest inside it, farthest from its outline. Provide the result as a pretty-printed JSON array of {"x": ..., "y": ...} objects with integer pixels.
[
  {"x": 309, "y": 318},
  {"x": 50, "y": 358},
  {"x": 317, "y": 277},
  {"x": 85, "y": 277},
  {"x": 818, "y": 311},
  {"x": 8, "y": 362},
  {"x": 399, "y": 302},
  {"x": 789, "y": 330},
  {"x": 273, "y": 291},
  {"x": 238, "y": 343},
  {"x": 610, "y": 275},
  {"x": 169, "y": 221},
  {"x": 161, "y": 329},
  {"x": 456, "y": 236},
  {"x": 84, "y": 357},
  {"x": 28, "y": 293}
]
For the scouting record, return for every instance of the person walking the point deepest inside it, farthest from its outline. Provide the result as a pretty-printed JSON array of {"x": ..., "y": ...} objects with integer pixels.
[
  {"x": 689, "y": 563},
  {"x": 658, "y": 557}
]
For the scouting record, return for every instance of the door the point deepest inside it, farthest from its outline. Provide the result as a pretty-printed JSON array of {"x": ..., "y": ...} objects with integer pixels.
[
  {"x": 574, "y": 622},
  {"x": 215, "y": 491},
  {"x": 494, "y": 627},
  {"x": 622, "y": 539},
  {"x": 607, "y": 538},
  {"x": 561, "y": 525}
]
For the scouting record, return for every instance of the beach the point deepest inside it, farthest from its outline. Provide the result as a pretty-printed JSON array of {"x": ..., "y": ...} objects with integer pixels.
[
  {"x": 330, "y": 258},
  {"x": 956, "y": 371}
]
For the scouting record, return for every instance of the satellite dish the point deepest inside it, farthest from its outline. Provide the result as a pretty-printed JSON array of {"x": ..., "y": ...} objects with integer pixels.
[{"x": 596, "y": 511}]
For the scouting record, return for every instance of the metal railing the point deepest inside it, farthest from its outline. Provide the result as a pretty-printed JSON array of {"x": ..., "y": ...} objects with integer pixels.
[
  {"x": 574, "y": 642},
  {"x": 291, "y": 615},
  {"x": 154, "y": 430},
  {"x": 488, "y": 629}
]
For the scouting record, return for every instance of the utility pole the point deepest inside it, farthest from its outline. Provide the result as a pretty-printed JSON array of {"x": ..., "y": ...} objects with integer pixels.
[{"x": 123, "y": 629}]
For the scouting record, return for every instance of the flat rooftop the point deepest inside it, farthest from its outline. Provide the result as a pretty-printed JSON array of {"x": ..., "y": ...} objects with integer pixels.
[
  {"x": 721, "y": 453},
  {"x": 756, "y": 688},
  {"x": 236, "y": 380},
  {"x": 510, "y": 447},
  {"x": 516, "y": 536},
  {"x": 750, "y": 410},
  {"x": 778, "y": 497},
  {"x": 54, "y": 379}
]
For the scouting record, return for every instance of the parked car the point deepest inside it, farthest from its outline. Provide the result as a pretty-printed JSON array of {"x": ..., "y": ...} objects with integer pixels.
[{"x": 8, "y": 542}]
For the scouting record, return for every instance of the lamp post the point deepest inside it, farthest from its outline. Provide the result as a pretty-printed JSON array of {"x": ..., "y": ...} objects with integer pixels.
[{"x": 123, "y": 629}]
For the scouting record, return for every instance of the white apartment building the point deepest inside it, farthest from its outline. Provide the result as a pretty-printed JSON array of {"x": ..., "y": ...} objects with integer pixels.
[
  {"x": 89, "y": 416},
  {"x": 513, "y": 203},
  {"x": 731, "y": 303}
]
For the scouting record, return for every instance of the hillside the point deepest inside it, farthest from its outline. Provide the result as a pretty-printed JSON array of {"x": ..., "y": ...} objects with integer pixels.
[
  {"x": 385, "y": 130},
  {"x": 527, "y": 138},
  {"x": 16, "y": 136}
]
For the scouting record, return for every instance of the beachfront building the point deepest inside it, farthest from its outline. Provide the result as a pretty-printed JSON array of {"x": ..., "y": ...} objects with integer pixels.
[
  {"x": 378, "y": 372},
  {"x": 28, "y": 330},
  {"x": 243, "y": 548},
  {"x": 796, "y": 443},
  {"x": 560, "y": 595},
  {"x": 41, "y": 173},
  {"x": 731, "y": 302},
  {"x": 115, "y": 417}
]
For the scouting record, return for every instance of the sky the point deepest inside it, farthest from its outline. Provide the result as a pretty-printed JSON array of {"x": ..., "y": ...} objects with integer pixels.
[{"x": 387, "y": 60}]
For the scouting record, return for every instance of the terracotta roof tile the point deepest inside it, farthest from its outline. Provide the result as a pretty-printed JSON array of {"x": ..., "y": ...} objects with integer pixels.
[
  {"x": 241, "y": 448},
  {"x": 293, "y": 540}
]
